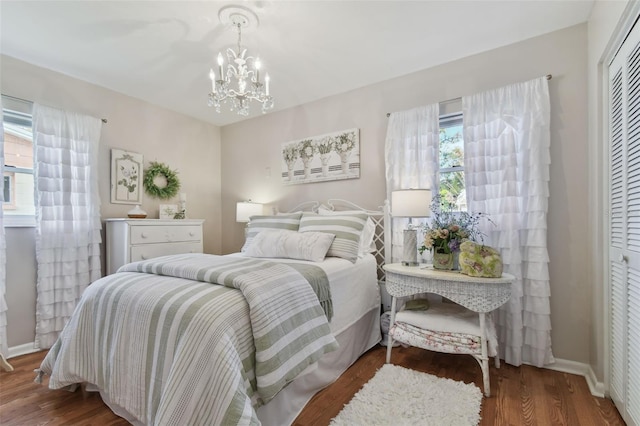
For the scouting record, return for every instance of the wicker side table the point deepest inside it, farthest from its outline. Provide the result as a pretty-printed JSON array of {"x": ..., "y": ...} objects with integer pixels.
[{"x": 481, "y": 295}]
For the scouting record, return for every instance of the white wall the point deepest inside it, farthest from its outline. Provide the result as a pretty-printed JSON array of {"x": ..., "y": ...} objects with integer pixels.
[
  {"x": 250, "y": 147},
  {"x": 187, "y": 145}
]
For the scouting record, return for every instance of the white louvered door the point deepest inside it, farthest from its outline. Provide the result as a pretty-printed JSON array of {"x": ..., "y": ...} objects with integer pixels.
[{"x": 624, "y": 252}]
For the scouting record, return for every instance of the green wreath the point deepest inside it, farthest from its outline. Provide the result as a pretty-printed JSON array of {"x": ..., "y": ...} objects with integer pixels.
[{"x": 159, "y": 169}]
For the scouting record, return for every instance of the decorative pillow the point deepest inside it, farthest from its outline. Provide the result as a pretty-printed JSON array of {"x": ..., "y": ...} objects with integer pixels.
[
  {"x": 367, "y": 245},
  {"x": 291, "y": 245},
  {"x": 346, "y": 228},
  {"x": 288, "y": 222}
]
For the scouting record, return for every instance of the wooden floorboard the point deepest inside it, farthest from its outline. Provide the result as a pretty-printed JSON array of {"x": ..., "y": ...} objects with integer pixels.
[{"x": 520, "y": 395}]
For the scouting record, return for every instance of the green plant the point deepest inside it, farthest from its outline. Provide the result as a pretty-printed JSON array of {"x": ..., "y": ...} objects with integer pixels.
[{"x": 159, "y": 169}]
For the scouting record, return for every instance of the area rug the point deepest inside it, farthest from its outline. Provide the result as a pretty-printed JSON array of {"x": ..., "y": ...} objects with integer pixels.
[{"x": 400, "y": 396}]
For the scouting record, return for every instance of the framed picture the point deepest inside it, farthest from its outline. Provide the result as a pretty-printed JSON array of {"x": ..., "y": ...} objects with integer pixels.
[
  {"x": 126, "y": 177},
  {"x": 332, "y": 156},
  {"x": 168, "y": 211}
]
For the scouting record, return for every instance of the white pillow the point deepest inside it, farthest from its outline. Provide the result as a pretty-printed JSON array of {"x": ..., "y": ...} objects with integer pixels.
[
  {"x": 367, "y": 244},
  {"x": 285, "y": 244},
  {"x": 289, "y": 221},
  {"x": 347, "y": 229}
]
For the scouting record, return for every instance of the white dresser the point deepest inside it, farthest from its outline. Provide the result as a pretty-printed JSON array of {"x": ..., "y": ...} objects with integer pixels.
[{"x": 130, "y": 240}]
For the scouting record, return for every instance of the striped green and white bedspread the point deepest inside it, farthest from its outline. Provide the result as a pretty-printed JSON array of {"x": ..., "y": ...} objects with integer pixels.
[{"x": 165, "y": 343}]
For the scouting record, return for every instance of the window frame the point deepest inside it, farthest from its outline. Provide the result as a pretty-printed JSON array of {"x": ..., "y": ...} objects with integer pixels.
[
  {"x": 451, "y": 119},
  {"x": 22, "y": 111}
]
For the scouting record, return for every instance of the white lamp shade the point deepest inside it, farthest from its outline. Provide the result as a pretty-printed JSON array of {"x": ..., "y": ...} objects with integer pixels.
[
  {"x": 411, "y": 203},
  {"x": 246, "y": 209}
]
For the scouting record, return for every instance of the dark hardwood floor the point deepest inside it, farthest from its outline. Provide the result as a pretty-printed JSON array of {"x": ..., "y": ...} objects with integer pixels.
[{"x": 520, "y": 396}]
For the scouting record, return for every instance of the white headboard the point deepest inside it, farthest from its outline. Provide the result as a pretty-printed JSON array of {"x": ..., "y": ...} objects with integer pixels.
[{"x": 379, "y": 217}]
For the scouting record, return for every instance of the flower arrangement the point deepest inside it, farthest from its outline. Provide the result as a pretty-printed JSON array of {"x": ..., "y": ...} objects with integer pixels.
[
  {"x": 450, "y": 228},
  {"x": 345, "y": 143},
  {"x": 290, "y": 153},
  {"x": 324, "y": 146},
  {"x": 306, "y": 149}
]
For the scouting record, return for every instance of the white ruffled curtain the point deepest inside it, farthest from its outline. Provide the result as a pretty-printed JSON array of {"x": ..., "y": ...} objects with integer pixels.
[
  {"x": 411, "y": 158},
  {"x": 506, "y": 150},
  {"x": 67, "y": 215},
  {"x": 4, "y": 348}
]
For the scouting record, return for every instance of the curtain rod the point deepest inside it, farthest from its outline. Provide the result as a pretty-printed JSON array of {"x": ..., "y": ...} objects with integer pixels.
[
  {"x": 548, "y": 77},
  {"x": 104, "y": 120}
]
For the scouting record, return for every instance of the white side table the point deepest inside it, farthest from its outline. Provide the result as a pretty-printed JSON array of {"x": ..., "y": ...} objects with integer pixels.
[{"x": 481, "y": 295}]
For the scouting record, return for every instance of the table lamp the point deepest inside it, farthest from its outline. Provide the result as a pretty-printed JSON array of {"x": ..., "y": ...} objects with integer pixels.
[
  {"x": 410, "y": 203},
  {"x": 246, "y": 209}
]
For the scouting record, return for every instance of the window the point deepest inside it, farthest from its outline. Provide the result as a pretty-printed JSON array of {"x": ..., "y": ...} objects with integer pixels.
[
  {"x": 18, "y": 184},
  {"x": 451, "y": 162}
]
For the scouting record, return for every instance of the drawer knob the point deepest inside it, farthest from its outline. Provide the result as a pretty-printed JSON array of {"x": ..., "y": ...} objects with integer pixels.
[
  {"x": 143, "y": 257},
  {"x": 143, "y": 235},
  {"x": 191, "y": 233}
]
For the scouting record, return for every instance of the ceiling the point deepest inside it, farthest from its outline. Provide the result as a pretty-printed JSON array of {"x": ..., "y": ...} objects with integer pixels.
[{"x": 161, "y": 51}]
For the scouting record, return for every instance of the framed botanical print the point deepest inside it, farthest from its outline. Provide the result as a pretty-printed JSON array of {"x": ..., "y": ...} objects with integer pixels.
[{"x": 126, "y": 177}]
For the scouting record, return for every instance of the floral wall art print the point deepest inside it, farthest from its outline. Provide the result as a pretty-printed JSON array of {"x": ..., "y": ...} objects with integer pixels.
[
  {"x": 332, "y": 156},
  {"x": 126, "y": 177}
]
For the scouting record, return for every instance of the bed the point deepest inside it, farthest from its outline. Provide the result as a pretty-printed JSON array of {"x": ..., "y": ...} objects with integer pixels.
[{"x": 246, "y": 338}]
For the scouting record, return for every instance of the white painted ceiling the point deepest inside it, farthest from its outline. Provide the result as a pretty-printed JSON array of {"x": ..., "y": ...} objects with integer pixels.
[{"x": 161, "y": 51}]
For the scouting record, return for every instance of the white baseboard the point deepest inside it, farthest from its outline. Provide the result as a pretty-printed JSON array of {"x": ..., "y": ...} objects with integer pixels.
[
  {"x": 572, "y": 367},
  {"x": 27, "y": 348}
]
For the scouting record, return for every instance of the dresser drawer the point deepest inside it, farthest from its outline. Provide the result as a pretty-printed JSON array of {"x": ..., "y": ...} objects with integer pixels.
[
  {"x": 130, "y": 240},
  {"x": 165, "y": 234},
  {"x": 149, "y": 251}
]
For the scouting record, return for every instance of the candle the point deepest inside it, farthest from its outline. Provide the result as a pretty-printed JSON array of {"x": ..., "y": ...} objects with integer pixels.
[
  {"x": 220, "y": 62},
  {"x": 258, "y": 66},
  {"x": 266, "y": 80},
  {"x": 183, "y": 197},
  {"x": 212, "y": 76}
]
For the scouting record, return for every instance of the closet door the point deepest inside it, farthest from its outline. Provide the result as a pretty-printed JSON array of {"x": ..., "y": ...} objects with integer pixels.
[{"x": 624, "y": 251}]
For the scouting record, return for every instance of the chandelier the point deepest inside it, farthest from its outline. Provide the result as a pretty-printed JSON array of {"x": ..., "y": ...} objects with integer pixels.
[{"x": 241, "y": 81}]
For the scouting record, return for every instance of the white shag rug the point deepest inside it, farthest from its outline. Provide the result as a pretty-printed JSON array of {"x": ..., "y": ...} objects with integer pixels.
[{"x": 400, "y": 396}]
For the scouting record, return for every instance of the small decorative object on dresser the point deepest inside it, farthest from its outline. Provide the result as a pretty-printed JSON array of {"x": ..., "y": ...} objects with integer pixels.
[
  {"x": 168, "y": 211},
  {"x": 142, "y": 239},
  {"x": 137, "y": 213}
]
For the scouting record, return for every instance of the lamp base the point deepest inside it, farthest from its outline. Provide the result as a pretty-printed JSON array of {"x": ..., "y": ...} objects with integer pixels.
[{"x": 410, "y": 247}]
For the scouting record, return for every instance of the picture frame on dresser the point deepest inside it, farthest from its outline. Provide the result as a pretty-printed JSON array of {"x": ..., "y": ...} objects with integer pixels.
[{"x": 167, "y": 211}]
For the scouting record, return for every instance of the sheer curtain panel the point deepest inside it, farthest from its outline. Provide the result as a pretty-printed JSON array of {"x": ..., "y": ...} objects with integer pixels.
[
  {"x": 67, "y": 214},
  {"x": 411, "y": 158},
  {"x": 507, "y": 138}
]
